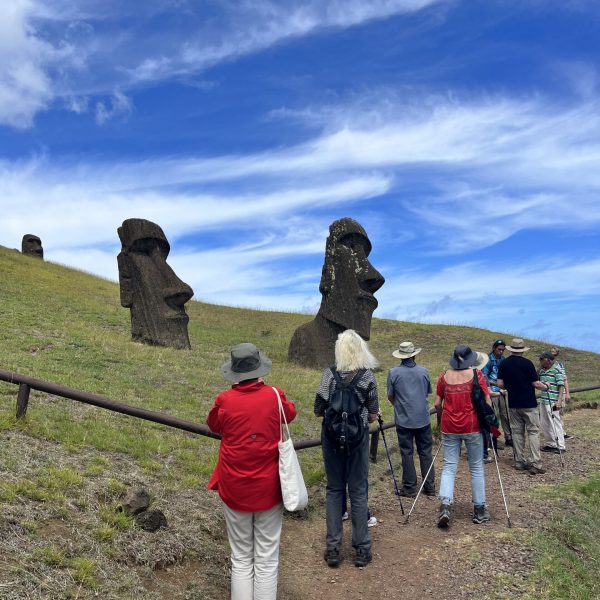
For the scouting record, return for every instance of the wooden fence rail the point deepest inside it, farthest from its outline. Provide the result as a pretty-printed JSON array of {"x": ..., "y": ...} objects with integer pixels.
[{"x": 26, "y": 384}]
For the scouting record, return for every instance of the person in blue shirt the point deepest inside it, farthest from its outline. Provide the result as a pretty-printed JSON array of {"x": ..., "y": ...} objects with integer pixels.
[
  {"x": 497, "y": 394},
  {"x": 408, "y": 386}
]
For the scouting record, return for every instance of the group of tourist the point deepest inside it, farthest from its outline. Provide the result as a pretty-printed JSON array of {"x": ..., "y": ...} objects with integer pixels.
[{"x": 248, "y": 419}]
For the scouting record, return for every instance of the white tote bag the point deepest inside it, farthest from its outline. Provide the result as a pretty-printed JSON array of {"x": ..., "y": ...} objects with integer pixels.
[{"x": 293, "y": 489}]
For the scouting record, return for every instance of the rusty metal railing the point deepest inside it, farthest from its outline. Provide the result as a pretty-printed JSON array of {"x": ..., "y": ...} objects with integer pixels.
[{"x": 26, "y": 384}]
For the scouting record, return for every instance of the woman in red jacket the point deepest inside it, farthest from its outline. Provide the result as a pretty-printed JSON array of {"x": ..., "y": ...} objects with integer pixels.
[{"x": 247, "y": 473}]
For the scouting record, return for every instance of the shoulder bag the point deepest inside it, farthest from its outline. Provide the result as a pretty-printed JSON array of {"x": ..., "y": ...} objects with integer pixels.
[
  {"x": 293, "y": 489},
  {"x": 485, "y": 413}
]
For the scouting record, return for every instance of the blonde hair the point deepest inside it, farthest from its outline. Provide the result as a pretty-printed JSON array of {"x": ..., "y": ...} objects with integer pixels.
[{"x": 352, "y": 352}]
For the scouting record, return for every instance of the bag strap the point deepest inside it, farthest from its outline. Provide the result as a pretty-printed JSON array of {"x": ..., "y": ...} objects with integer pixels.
[
  {"x": 476, "y": 386},
  {"x": 281, "y": 417}
]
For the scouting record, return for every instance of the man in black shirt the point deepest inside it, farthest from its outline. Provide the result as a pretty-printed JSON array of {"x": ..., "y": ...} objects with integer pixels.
[{"x": 518, "y": 375}]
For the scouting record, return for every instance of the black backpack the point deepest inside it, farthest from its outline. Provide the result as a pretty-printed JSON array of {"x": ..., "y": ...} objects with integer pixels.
[{"x": 343, "y": 423}]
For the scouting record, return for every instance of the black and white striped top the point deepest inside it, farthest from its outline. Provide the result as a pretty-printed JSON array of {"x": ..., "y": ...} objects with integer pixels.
[{"x": 366, "y": 388}]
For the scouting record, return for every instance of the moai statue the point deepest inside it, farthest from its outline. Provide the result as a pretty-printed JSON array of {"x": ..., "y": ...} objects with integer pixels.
[
  {"x": 348, "y": 282},
  {"x": 150, "y": 288},
  {"x": 32, "y": 246}
]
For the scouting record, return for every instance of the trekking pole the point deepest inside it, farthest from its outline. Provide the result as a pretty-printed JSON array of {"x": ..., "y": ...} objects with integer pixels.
[
  {"x": 380, "y": 421},
  {"x": 423, "y": 483},
  {"x": 500, "y": 480},
  {"x": 562, "y": 460}
]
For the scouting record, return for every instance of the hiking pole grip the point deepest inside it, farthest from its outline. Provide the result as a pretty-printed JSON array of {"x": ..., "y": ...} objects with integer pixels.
[{"x": 380, "y": 422}]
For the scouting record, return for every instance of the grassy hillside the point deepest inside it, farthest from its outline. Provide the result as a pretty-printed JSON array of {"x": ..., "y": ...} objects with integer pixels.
[{"x": 76, "y": 462}]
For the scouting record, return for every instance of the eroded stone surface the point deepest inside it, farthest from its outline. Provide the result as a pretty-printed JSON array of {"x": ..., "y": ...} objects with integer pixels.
[
  {"x": 348, "y": 284},
  {"x": 31, "y": 245},
  {"x": 150, "y": 288}
]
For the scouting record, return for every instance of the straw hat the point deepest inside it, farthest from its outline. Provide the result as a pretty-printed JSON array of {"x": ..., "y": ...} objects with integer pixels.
[
  {"x": 516, "y": 346},
  {"x": 406, "y": 350}
]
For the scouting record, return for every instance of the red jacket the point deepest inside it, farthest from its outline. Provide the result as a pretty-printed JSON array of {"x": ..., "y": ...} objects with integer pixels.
[{"x": 247, "y": 473}]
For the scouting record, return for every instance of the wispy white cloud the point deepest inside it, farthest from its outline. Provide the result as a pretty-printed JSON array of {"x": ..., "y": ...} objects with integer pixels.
[
  {"x": 538, "y": 298},
  {"x": 23, "y": 185},
  {"x": 25, "y": 85},
  {"x": 495, "y": 167},
  {"x": 117, "y": 106},
  {"x": 58, "y": 48}
]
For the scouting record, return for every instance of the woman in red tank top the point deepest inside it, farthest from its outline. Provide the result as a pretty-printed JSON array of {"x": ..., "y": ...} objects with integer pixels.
[{"x": 460, "y": 423}]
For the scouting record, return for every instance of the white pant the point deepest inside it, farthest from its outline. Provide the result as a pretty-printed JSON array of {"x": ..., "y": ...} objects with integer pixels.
[
  {"x": 254, "y": 540},
  {"x": 551, "y": 433}
]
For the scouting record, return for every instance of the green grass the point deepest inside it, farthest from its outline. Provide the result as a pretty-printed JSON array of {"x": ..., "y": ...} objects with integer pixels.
[
  {"x": 569, "y": 545},
  {"x": 68, "y": 327}
]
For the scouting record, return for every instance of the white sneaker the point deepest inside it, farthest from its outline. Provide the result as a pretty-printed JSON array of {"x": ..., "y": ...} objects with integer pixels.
[
  {"x": 372, "y": 521},
  {"x": 345, "y": 516}
]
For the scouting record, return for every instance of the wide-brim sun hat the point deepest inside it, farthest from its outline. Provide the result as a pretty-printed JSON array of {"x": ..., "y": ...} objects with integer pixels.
[
  {"x": 247, "y": 362},
  {"x": 482, "y": 360},
  {"x": 517, "y": 345},
  {"x": 406, "y": 350},
  {"x": 463, "y": 357}
]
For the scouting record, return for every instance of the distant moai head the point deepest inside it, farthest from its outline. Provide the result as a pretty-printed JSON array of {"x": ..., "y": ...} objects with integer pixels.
[
  {"x": 348, "y": 279},
  {"x": 32, "y": 246},
  {"x": 150, "y": 288}
]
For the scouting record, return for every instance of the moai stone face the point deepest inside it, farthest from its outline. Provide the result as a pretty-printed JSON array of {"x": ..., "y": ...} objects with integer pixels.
[
  {"x": 348, "y": 284},
  {"x": 349, "y": 280},
  {"x": 32, "y": 246},
  {"x": 150, "y": 288}
]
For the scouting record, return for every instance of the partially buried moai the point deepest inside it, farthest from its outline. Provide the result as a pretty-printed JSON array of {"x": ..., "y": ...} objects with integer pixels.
[
  {"x": 348, "y": 282},
  {"x": 150, "y": 288},
  {"x": 32, "y": 246}
]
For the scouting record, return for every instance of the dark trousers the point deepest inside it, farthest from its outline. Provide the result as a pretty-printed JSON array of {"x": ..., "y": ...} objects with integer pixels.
[
  {"x": 347, "y": 470},
  {"x": 488, "y": 439},
  {"x": 424, "y": 441}
]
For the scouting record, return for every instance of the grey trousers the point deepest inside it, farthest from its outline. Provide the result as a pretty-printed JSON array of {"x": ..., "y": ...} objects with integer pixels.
[
  {"x": 525, "y": 425},
  {"x": 424, "y": 441},
  {"x": 500, "y": 403},
  {"x": 349, "y": 470}
]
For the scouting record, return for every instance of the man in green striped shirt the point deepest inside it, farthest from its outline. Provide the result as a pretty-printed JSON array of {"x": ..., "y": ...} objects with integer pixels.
[{"x": 553, "y": 398}]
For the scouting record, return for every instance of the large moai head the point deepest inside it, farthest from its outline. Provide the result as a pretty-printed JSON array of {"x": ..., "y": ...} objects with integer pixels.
[
  {"x": 32, "y": 246},
  {"x": 348, "y": 279},
  {"x": 150, "y": 288}
]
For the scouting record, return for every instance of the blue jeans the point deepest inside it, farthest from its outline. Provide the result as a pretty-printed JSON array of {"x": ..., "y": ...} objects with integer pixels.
[{"x": 474, "y": 445}]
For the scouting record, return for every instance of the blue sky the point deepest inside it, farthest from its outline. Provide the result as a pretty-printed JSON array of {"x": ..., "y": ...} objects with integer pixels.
[{"x": 463, "y": 135}]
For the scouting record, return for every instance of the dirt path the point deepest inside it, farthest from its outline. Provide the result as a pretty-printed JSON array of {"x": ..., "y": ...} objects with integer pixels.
[{"x": 419, "y": 560}]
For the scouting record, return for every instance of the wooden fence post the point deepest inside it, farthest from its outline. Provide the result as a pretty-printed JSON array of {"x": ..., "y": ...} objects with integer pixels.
[
  {"x": 22, "y": 400},
  {"x": 373, "y": 446}
]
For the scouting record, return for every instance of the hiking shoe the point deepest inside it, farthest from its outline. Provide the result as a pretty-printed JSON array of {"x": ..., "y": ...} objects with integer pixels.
[
  {"x": 553, "y": 449},
  {"x": 372, "y": 521},
  {"x": 536, "y": 470},
  {"x": 480, "y": 515},
  {"x": 363, "y": 557},
  {"x": 444, "y": 516},
  {"x": 333, "y": 557},
  {"x": 345, "y": 516}
]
